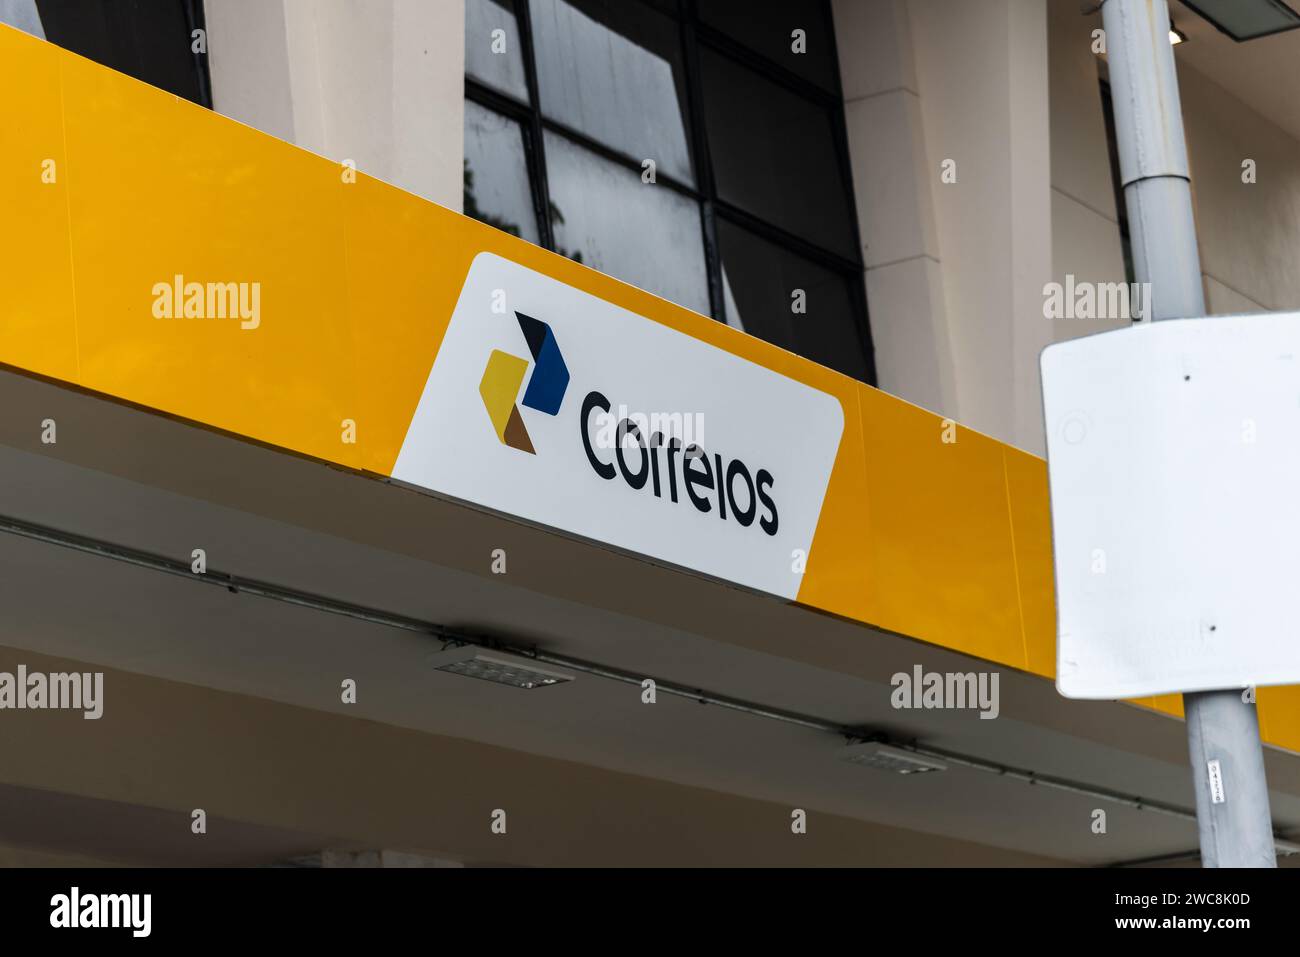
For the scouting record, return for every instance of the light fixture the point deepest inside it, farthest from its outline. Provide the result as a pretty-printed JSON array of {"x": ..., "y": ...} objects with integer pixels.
[
  {"x": 469, "y": 661},
  {"x": 1247, "y": 19},
  {"x": 1176, "y": 37},
  {"x": 882, "y": 757}
]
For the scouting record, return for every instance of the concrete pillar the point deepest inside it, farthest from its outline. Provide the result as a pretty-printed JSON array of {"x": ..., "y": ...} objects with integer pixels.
[
  {"x": 379, "y": 82},
  {"x": 882, "y": 111},
  {"x": 955, "y": 269}
]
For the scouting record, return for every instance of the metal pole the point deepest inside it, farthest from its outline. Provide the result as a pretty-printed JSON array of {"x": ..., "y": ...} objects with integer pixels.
[{"x": 1227, "y": 760}]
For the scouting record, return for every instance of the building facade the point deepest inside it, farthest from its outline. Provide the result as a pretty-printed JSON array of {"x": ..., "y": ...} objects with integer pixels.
[{"x": 903, "y": 192}]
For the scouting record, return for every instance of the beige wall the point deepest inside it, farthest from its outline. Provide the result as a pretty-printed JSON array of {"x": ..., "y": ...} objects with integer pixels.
[
  {"x": 1009, "y": 89},
  {"x": 1249, "y": 233},
  {"x": 1085, "y": 225},
  {"x": 954, "y": 270},
  {"x": 379, "y": 82}
]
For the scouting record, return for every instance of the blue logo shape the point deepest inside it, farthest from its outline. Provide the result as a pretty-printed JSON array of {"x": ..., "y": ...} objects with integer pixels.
[{"x": 550, "y": 378}]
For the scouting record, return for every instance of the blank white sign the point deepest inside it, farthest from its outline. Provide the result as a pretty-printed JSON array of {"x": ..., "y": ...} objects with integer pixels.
[{"x": 1173, "y": 451}]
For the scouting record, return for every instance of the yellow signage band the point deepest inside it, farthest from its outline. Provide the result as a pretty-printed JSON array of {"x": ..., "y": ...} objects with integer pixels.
[{"x": 160, "y": 254}]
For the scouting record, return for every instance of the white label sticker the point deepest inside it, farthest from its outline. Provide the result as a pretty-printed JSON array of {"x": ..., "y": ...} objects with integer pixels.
[
  {"x": 1216, "y": 782},
  {"x": 547, "y": 403}
]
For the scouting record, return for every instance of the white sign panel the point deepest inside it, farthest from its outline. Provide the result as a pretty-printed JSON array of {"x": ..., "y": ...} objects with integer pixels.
[
  {"x": 547, "y": 403},
  {"x": 1173, "y": 450}
]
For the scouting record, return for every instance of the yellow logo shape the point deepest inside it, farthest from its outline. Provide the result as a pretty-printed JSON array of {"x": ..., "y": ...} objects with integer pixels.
[{"x": 499, "y": 387}]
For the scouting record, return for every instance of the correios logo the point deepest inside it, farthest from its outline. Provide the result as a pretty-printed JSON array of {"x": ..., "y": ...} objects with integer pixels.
[
  {"x": 505, "y": 373},
  {"x": 589, "y": 420},
  {"x": 655, "y": 459}
]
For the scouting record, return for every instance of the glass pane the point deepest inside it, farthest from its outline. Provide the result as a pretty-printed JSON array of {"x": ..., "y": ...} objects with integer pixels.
[
  {"x": 769, "y": 29},
  {"x": 149, "y": 41},
  {"x": 604, "y": 216},
  {"x": 496, "y": 173},
  {"x": 22, "y": 15},
  {"x": 761, "y": 281},
  {"x": 774, "y": 154},
  {"x": 613, "y": 70},
  {"x": 493, "y": 54}
]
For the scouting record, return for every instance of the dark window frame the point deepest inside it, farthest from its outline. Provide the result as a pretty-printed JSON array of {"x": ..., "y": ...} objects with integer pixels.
[
  {"x": 129, "y": 35},
  {"x": 695, "y": 35}
]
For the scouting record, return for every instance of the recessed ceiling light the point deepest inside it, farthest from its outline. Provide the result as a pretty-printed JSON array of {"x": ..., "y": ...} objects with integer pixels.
[
  {"x": 1247, "y": 19},
  {"x": 882, "y": 757},
  {"x": 503, "y": 669},
  {"x": 1176, "y": 37}
]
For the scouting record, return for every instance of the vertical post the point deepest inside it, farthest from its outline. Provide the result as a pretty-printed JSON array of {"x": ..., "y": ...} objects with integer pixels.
[{"x": 1227, "y": 760}]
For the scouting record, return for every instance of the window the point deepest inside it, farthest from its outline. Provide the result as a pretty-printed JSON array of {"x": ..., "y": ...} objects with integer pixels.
[
  {"x": 151, "y": 40},
  {"x": 774, "y": 154},
  {"x": 498, "y": 63},
  {"x": 496, "y": 177},
  {"x": 683, "y": 146},
  {"x": 767, "y": 27},
  {"x": 593, "y": 202},
  {"x": 762, "y": 304}
]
